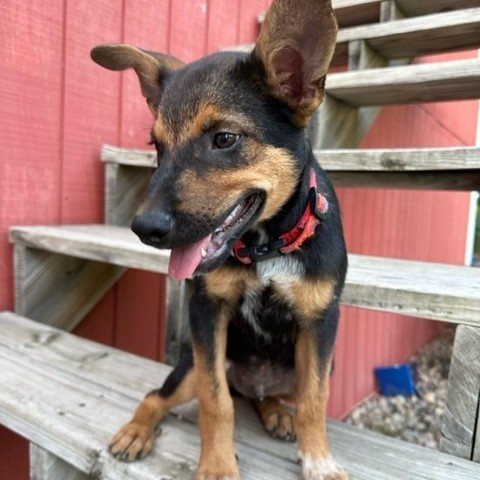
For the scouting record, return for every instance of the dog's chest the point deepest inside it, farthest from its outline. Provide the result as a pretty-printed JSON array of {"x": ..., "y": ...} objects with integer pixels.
[{"x": 267, "y": 303}]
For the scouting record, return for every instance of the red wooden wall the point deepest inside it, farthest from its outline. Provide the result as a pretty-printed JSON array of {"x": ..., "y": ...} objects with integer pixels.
[{"x": 57, "y": 108}]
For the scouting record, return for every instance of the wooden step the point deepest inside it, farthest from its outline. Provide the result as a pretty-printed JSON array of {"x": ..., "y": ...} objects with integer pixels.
[
  {"x": 456, "y": 168},
  {"x": 358, "y": 12},
  {"x": 458, "y": 80},
  {"x": 448, "y": 293},
  {"x": 69, "y": 395},
  {"x": 424, "y": 7},
  {"x": 411, "y": 37}
]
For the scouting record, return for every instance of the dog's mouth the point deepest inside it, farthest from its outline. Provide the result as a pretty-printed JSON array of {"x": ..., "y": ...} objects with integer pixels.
[{"x": 209, "y": 252}]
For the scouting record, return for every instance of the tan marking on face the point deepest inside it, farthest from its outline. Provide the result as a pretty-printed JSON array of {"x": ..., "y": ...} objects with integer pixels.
[
  {"x": 207, "y": 116},
  {"x": 216, "y": 416},
  {"x": 270, "y": 169},
  {"x": 312, "y": 397},
  {"x": 163, "y": 133}
]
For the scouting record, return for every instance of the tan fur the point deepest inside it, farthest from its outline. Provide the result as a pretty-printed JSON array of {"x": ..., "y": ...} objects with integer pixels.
[
  {"x": 228, "y": 284},
  {"x": 312, "y": 396},
  {"x": 207, "y": 116},
  {"x": 211, "y": 192},
  {"x": 135, "y": 439},
  {"x": 216, "y": 417},
  {"x": 277, "y": 418},
  {"x": 311, "y": 298}
]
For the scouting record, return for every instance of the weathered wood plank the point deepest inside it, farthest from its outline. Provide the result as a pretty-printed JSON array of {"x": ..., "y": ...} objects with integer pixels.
[
  {"x": 460, "y": 417},
  {"x": 45, "y": 466},
  {"x": 101, "y": 243},
  {"x": 414, "y": 7},
  {"x": 440, "y": 81},
  {"x": 409, "y": 37},
  {"x": 417, "y": 36},
  {"x": 439, "y": 292},
  {"x": 456, "y": 168},
  {"x": 462, "y": 180},
  {"x": 124, "y": 191},
  {"x": 58, "y": 288},
  {"x": 71, "y": 394},
  {"x": 400, "y": 286},
  {"x": 404, "y": 159},
  {"x": 430, "y": 168}
]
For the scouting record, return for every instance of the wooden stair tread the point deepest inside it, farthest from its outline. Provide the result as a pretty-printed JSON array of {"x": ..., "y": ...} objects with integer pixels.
[
  {"x": 441, "y": 81},
  {"x": 414, "y": 7},
  {"x": 442, "y": 292},
  {"x": 456, "y": 168},
  {"x": 410, "y": 37},
  {"x": 70, "y": 395},
  {"x": 357, "y": 12},
  {"x": 388, "y": 159},
  {"x": 417, "y": 36}
]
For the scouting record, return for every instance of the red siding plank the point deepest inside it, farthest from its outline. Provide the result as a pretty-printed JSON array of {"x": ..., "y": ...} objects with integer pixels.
[
  {"x": 249, "y": 26},
  {"x": 14, "y": 464},
  {"x": 222, "y": 24},
  {"x": 30, "y": 102},
  {"x": 188, "y": 29},
  {"x": 91, "y": 110},
  {"x": 140, "y": 304}
]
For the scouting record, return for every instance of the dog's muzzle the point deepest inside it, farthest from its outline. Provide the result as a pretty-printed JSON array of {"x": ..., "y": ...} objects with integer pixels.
[{"x": 153, "y": 226}]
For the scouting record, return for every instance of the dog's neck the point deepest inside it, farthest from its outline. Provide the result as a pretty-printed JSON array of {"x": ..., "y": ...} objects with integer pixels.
[{"x": 291, "y": 227}]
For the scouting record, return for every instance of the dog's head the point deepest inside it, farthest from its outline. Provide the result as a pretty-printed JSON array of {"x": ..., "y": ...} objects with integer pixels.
[{"x": 229, "y": 132}]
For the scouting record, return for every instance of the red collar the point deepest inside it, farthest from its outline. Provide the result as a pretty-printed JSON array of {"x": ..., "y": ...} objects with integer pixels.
[{"x": 314, "y": 213}]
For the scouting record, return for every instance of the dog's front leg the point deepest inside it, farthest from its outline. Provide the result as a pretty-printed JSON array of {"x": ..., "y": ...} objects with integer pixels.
[
  {"x": 313, "y": 357},
  {"x": 216, "y": 417}
]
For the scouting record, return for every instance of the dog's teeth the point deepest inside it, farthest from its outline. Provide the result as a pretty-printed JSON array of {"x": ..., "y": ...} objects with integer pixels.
[{"x": 203, "y": 253}]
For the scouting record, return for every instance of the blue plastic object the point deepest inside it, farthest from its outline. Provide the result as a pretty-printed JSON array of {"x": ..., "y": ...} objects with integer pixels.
[{"x": 396, "y": 380}]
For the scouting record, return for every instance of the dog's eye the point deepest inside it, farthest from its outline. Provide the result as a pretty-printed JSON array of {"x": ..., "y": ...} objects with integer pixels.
[{"x": 225, "y": 139}]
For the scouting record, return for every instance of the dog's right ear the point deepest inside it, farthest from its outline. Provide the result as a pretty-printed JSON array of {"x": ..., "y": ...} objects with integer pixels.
[{"x": 151, "y": 67}]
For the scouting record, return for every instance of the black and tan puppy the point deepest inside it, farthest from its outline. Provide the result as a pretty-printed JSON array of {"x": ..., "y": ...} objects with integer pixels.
[{"x": 240, "y": 200}]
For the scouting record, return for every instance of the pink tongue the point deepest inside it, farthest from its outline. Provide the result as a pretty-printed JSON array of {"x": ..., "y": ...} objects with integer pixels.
[{"x": 185, "y": 260}]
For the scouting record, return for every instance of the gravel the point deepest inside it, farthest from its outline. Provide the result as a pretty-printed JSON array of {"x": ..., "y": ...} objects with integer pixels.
[{"x": 416, "y": 419}]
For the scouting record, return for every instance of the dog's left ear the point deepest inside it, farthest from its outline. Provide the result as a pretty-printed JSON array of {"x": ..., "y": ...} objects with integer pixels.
[
  {"x": 152, "y": 68},
  {"x": 295, "y": 46}
]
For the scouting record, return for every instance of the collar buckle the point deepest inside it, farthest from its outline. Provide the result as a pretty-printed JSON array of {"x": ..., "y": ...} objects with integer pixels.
[{"x": 248, "y": 255}]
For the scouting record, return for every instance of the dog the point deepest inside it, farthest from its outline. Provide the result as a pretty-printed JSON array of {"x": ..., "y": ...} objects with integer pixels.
[{"x": 246, "y": 210}]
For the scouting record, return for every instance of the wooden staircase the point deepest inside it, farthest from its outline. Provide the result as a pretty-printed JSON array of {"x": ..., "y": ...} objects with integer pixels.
[{"x": 68, "y": 395}]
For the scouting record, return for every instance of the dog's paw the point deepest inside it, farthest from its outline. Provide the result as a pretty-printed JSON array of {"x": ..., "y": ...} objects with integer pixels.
[
  {"x": 321, "y": 469},
  {"x": 208, "y": 476},
  {"x": 132, "y": 442},
  {"x": 218, "y": 468},
  {"x": 278, "y": 418}
]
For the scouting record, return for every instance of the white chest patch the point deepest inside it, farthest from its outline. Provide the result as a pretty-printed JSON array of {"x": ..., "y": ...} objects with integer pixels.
[
  {"x": 252, "y": 305},
  {"x": 283, "y": 270}
]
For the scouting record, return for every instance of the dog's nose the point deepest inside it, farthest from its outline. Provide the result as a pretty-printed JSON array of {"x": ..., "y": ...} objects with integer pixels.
[{"x": 152, "y": 226}]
